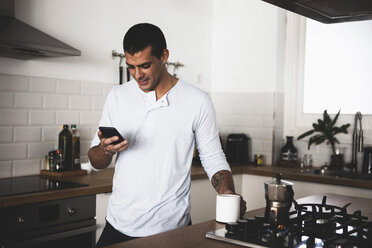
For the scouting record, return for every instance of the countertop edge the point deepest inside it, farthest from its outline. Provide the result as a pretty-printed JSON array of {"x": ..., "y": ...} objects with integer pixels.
[{"x": 101, "y": 182}]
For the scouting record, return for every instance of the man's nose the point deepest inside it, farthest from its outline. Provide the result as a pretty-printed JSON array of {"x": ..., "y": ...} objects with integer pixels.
[{"x": 137, "y": 73}]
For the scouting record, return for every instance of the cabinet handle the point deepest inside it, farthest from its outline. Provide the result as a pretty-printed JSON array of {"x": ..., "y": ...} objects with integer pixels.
[
  {"x": 20, "y": 219},
  {"x": 71, "y": 211}
]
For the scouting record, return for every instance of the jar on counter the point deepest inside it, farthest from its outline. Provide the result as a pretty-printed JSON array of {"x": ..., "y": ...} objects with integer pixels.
[
  {"x": 258, "y": 160},
  {"x": 51, "y": 160}
]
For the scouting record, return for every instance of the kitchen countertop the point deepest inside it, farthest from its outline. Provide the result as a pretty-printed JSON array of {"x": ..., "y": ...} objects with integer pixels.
[
  {"x": 194, "y": 235},
  {"x": 101, "y": 182}
]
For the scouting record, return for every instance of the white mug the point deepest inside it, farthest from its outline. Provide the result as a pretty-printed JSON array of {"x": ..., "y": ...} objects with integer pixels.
[{"x": 227, "y": 208}]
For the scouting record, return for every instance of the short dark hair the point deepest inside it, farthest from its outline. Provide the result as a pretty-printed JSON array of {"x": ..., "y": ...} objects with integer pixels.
[{"x": 143, "y": 35}]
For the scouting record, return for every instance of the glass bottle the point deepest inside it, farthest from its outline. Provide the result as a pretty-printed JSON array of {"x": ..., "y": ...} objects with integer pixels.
[
  {"x": 75, "y": 148},
  {"x": 52, "y": 157},
  {"x": 308, "y": 160},
  {"x": 58, "y": 162},
  {"x": 65, "y": 145},
  {"x": 289, "y": 151}
]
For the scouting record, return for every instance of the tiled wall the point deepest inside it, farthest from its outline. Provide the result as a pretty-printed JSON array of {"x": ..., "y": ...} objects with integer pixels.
[
  {"x": 248, "y": 113},
  {"x": 32, "y": 112}
]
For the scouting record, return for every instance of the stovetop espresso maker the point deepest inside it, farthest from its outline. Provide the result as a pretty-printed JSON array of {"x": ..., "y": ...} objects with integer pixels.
[{"x": 279, "y": 196}]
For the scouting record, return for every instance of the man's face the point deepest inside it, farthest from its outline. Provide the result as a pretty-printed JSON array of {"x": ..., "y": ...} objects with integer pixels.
[{"x": 146, "y": 69}]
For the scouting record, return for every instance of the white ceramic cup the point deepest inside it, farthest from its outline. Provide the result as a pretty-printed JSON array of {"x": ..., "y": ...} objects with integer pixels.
[{"x": 227, "y": 208}]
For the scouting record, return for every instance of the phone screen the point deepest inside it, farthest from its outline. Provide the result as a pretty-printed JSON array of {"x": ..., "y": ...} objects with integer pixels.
[{"x": 109, "y": 132}]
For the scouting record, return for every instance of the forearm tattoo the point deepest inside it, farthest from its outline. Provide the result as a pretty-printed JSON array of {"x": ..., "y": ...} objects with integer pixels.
[
  {"x": 217, "y": 180},
  {"x": 222, "y": 181}
]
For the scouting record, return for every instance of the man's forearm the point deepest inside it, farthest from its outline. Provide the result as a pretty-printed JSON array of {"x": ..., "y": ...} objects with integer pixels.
[
  {"x": 98, "y": 158},
  {"x": 223, "y": 182}
]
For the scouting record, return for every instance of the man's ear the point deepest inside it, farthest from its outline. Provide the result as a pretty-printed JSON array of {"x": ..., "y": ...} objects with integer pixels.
[{"x": 165, "y": 55}]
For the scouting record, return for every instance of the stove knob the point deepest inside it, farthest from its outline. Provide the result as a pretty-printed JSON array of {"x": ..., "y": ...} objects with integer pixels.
[{"x": 232, "y": 227}]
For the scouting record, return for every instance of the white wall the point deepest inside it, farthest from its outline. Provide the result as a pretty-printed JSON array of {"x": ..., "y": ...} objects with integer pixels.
[
  {"x": 97, "y": 27},
  {"x": 247, "y": 46}
]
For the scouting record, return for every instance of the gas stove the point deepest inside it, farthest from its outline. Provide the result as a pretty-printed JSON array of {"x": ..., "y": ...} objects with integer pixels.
[{"x": 308, "y": 225}]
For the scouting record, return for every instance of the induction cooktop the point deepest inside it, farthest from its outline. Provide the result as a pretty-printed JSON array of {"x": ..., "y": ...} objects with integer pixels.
[{"x": 32, "y": 184}]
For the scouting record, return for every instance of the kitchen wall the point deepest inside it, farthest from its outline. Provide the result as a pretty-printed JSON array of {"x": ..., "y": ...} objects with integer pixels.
[
  {"x": 232, "y": 49},
  {"x": 33, "y": 110},
  {"x": 247, "y": 64}
]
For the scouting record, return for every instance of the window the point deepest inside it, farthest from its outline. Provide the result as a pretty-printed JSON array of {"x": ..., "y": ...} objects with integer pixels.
[{"x": 338, "y": 67}]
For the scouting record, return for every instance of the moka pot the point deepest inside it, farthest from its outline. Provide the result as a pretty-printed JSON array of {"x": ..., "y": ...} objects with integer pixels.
[{"x": 279, "y": 196}]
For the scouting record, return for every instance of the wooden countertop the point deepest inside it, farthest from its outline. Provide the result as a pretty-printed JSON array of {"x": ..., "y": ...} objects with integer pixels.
[
  {"x": 194, "y": 236},
  {"x": 101, "y": 182}
]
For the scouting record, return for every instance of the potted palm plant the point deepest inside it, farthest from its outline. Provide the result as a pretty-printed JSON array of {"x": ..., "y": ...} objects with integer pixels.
[{"x": 325, "y": 130}]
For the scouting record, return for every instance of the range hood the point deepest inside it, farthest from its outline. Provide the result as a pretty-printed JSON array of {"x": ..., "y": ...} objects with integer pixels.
[
  {"x": 20, "y": 40},
  {"x": 328, "y": 11}
]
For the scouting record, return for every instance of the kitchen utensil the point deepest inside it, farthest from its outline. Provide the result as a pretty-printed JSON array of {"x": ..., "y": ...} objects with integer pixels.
[
  {"x": 279, "y": 196},
  {"x": 367, "y": 160}
]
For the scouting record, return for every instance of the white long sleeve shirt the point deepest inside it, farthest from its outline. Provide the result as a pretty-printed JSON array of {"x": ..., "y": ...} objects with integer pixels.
[{"x": 151, "y": 185}]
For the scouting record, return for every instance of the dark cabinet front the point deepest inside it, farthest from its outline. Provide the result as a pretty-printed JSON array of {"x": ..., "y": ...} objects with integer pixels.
[{"x": 66, "y": 222}]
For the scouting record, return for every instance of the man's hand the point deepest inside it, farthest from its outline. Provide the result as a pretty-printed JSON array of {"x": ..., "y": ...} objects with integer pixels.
[
  {"x": 100, "y": 156},
  {"x": 108, "y": 147},
  {"x": 223, "y": 182}
]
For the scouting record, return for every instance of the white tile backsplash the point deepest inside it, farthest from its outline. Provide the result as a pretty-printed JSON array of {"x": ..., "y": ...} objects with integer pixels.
[
  {"x": 6, "y": 134},
  {"x": 41, "y": 117},
  {"x": 26, "y": 167},
  {"x": 13, "y": 83},
  {"x": 39, "y": 150},
  {"x": 91, "y": 89},
  {"x": 6, "y": 99},
  {"x": 28, "y": 100},
  {"x": 90, "y": 117},
  {"x": 32, "y": 111},
  {"x": 24, "y": 134},
  {"x": 80, "y": 102},
  {"x": 13, "y": 117},
  {"x": 68, "y": 87},
  {"x": 10, "y": 151},
  {"x": 107, "y": 88},
  {"x": 5, "y": 169},
  {"x": 66, "y": 117},
  {"x": 248, "y": 113},
  {"x": 43, "y": 85},
  {"x": 98, "y": 102},
  {"x": 50, "y": 133},
  {"x": 55, "y": 101}
]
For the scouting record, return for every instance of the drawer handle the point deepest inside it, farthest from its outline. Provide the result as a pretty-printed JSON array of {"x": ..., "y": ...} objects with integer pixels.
[
  {"x": 71, "y": 211},
  {"x": 20, "y": 220}
]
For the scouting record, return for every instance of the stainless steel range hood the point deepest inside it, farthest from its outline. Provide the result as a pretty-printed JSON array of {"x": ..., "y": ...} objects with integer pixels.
[
  {"x": 20, "y": 40},
  {"x": 328, "y": 11}
]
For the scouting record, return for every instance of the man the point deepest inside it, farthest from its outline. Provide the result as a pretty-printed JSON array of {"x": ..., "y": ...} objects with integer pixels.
[{"x": 161, "y": 117}]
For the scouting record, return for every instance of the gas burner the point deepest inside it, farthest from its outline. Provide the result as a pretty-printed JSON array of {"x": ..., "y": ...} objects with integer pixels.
[{"x": 310, "y": 225}]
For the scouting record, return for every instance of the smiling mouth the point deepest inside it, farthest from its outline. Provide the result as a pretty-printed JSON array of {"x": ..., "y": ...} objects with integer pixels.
[{"x": 143, "y": 82}]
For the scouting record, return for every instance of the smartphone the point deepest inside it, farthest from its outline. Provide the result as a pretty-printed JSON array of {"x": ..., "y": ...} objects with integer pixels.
[{"x": 109, "y": 132}]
